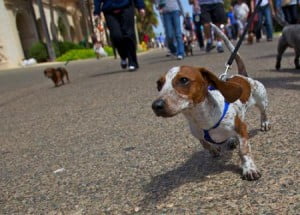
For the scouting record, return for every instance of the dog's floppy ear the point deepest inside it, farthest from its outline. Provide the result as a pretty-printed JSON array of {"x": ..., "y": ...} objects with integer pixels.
[{"x": 230, "y": 91}]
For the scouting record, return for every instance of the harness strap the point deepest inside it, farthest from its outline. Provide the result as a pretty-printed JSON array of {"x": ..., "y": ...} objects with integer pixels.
[{"x": 207, "y": 137}]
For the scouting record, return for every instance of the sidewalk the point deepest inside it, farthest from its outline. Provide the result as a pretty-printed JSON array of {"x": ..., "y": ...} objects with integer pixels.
[{"x": 94, "y": 146}]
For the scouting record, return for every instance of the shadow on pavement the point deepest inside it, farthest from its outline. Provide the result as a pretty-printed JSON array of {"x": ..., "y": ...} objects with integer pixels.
[
  {"x": 162, "y": 59},
  {"x": 107, "y": 73},
  {"x": 288, "y": 54},
  {"x": 281, "y": 82},
  {"x": 196, "y": 169},
  {"x": 253, "y": 132}
]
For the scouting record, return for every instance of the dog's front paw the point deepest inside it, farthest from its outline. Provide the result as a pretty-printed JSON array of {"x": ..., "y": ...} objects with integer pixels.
[
  {"x": 251, "y": 174},
  {"x": 250, "y": 171},
  {"x": 265, "y": 126}
]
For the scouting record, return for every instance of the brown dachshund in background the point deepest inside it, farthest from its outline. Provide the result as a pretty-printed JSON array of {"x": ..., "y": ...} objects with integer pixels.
[{"x": 57, "y": 75}]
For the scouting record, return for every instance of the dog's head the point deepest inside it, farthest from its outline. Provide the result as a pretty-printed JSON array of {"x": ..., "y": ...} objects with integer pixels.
[
  {"x": 184, "y": 87},
  {"x": 49, "y": 72}
]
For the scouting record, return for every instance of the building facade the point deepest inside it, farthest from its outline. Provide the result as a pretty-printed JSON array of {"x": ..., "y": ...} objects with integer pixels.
[{"x": 21, "y": 26}]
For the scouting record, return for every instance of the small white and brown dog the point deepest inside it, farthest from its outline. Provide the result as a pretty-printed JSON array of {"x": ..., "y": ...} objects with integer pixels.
[{"x": 215, "y": 109}]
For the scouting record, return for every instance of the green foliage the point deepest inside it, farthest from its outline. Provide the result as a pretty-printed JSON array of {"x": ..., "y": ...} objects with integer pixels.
[
  {"x": 64, "y": 46},
  {"x": 145, "y": 24},
  {"x": 39, "y": 52},
  {"x": 76, "y": 54},
  {"x": 109, "y": 50}
]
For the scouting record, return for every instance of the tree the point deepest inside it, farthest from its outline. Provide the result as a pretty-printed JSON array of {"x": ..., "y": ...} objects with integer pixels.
[{"x": 145, "y": 24}]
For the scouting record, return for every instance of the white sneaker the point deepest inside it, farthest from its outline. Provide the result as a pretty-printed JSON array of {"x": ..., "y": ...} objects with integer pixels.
[
  {"x": 131, "y": 68},
  {"x": 179, "y": 57}
]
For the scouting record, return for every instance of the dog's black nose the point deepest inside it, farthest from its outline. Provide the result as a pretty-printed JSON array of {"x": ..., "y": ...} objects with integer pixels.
[{"x": 158, "y": 105}]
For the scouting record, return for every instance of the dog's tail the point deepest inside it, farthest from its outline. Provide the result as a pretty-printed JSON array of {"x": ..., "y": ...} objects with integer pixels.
[{"x": 229, "y": 45}]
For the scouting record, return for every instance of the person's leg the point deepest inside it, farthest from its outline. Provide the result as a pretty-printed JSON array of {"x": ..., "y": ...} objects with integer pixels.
[
  {"x": 205, "y": 20},
  {"x": 268, "y": 22},
  {"x": 169, "y": 32},
  {"x": 294, "y": 13},
  {"x": 218, "y": 16},
  {"x": 113, "y": 24},
  {"x": 178, "y": 34},
  {"x": 258, "y": 25},
  {"x": 198, "y": 31},
  {"x": 287, "y": 15},
  {"x": 128, "y": 33}
]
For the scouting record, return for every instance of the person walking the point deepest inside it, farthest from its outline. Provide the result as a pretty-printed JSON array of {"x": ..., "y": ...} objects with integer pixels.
[
  {"x": 265, "y": 12},
  {"x": 232, "y": 26},
  {"x": 198, "y": 26},
  {"x": 241, "y": 12},
  {"x": 211, "y": 11},
  {"x": 171, "y": 11},
  {"x": 119, "y": 16},
  {"x": 290, "y": 10}
]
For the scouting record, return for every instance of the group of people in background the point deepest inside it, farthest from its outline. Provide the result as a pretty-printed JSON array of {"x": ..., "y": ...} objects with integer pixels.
[
  {"x": 234, "y": 21},
  {"x": 119, "y": 15}
]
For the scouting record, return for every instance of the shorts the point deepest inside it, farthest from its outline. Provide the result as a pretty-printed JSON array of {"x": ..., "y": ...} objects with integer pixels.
[{"x": 214, "y": 13}]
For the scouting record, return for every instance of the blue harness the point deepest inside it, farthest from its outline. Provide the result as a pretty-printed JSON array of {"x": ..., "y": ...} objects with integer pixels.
[{"x": 207, "y": 137}]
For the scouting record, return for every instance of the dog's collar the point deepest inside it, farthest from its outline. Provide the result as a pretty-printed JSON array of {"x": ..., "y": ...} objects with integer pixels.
[{"x": 207, "y": 137}]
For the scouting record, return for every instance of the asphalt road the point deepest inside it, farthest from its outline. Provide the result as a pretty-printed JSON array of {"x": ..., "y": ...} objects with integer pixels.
[{"x": 94, "y": 146}]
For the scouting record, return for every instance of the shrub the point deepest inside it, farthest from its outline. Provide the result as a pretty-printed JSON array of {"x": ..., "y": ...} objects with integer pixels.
[
  {"x": 65, "y": 46},
  {"x": 39, "y": 52},
  {"x": 76, "y": 54},
  {"x": 109, "y": 50}
]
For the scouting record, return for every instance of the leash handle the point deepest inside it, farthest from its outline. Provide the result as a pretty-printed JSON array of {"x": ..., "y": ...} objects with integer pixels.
[{"x": 233, "y": 54}]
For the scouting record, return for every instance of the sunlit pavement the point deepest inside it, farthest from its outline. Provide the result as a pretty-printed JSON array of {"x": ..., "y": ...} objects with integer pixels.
[{"x": 94, "y": 146}]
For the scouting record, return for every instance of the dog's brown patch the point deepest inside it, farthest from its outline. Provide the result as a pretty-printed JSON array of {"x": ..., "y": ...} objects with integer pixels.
[
  {"x": 241, "y": 129},
  {"x": 245, "y": 85},
  {"x": 160, "y": 83},
  {"x": 199, "y": 80},
  {"x": 230, "y": 91},
  {"x": 196, "y": 86}
]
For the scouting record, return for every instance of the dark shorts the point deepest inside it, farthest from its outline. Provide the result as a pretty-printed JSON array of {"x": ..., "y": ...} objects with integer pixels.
[{"x": 214, "y": 13}]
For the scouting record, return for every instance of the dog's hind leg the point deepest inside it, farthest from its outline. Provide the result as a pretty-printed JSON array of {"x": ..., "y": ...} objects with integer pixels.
[
  {"x": 282, "y": 46},
  {"x": 213, "y": 150},
  {"x": 67, "y": 75},
  {"x": 261, "y": 102}
]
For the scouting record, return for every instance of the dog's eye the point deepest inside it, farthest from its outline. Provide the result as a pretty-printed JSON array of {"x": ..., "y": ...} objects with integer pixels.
[{"x": 184, "y": 81}]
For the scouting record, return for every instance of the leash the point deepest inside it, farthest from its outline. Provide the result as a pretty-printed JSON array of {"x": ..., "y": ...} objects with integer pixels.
[{"x": 236, "y": 48}]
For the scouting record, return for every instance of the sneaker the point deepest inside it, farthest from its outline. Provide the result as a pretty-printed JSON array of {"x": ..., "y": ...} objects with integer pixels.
[
  {"x": 123, "y": 64},
  {"x": 209, "y": 47},
  {"x": 132, "y": 68},
  {"x": 220, "y": 49},
  {"x": 179, "y": 57}
]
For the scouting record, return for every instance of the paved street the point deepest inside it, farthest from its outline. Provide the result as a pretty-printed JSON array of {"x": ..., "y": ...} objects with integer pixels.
[{"x": 94, "y": 146}]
